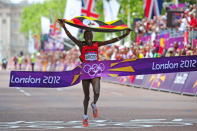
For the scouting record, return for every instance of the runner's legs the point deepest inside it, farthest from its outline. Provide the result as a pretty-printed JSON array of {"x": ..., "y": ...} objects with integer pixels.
[
  {"x": 86, "y": 86},
  {"x": 96, "y": 88}
]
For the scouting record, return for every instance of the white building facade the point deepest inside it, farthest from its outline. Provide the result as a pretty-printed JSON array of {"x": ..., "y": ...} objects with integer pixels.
[{"x": 12, "y": 41}]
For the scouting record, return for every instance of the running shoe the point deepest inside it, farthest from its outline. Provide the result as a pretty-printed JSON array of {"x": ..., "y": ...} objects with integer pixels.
[
  {"x": 85, "y": 123},
  {"x": 94, "y": 110}
]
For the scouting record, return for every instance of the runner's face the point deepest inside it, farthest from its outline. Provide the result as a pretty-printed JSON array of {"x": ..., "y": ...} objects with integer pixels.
[{"x": 88, "y": 36}]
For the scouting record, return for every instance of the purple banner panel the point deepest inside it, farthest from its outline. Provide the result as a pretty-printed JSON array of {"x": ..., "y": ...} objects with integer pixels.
[
  {"x": 178, "y": 40},
  {"x": 110, "y": 68},
  {"x": 190, "y": 86},
  {"x": 119, "y": 80},
  {"x": 133, "y": 80},
  {"x": 181, "y": 5},
  {"x": 166, "y": 38},
  {"x": 166, "y": 81},
  {"x": 179, "y": 82},
  {"x": 140, "y": 80},
  {"x": 149, "y": 81},
  {"x": 153, "y": 81},
  {"x": 194, "y": 42},
  {"x": 145, "y": 39},
  {"x": 124, "y": 80},
  {"x": 44, "y": 79},
  {"x": 138, "y": 67},
  {"x": 169, "y": 41},
  {"x": 157, "y": 80}
]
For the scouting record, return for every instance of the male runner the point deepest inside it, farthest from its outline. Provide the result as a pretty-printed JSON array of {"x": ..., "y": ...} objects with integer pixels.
[{"x": 89, "y": 52}]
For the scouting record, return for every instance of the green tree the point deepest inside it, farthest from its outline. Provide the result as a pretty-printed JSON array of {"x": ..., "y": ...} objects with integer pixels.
[
  {"x": 31, "y": 15},
  {"x": 134, "y": 8},
  {"x": 98, "y": 36}
]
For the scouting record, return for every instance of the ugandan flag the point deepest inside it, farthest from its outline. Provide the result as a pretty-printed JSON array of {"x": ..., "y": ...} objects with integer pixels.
[{"x": 88, "y": 23}]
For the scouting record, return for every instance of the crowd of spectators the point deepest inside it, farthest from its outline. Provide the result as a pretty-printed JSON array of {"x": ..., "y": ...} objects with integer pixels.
[
  {"x": 159, "y": 23},
  {"x": 59, "y": 61}
]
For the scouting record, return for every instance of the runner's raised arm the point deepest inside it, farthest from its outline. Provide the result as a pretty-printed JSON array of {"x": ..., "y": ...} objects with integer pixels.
[{"x": 76, "y": 41}]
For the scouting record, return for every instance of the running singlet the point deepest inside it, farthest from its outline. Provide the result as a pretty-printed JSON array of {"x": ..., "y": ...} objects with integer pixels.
[{"x": 89, "y": 53}]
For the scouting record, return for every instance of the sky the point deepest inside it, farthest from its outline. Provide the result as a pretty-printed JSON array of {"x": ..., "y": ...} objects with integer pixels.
[{"x": 30, "y": 1}]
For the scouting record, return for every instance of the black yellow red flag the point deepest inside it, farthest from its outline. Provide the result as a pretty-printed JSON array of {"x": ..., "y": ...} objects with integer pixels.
[{"x": 89, "y": 23}]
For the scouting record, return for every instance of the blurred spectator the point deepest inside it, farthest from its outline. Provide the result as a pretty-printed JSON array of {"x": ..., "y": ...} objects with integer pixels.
[
  {"x": 4, "y": 63},
  {"x": 20, "y": 61},
  {"x": 193, "y": 21},
  {"x": 33, "y": 61},
  {"x": 15, "y": 60}
]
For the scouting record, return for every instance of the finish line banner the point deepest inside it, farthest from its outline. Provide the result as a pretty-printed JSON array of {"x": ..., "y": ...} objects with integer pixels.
[{"x": 110, "y": 68}]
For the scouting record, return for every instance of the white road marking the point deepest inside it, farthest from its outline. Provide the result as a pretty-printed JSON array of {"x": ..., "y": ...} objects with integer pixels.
[
  {"x": 27, "y": 94},
  {"x": 144, "y": 120},
  {"x": 97, "y": 124},
  {"x": 177, "y": 120},
  {"x": 14, "y": 127},
  {"x": 23, "y": 91}
]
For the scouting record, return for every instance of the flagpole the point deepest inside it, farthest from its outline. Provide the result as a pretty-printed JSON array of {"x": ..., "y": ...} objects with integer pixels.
[
  {"x": 129, "y": 20},
  {"x": 196, "y": 9}
]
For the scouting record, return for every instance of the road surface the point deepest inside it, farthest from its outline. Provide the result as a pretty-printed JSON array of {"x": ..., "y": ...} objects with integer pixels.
[{"x": 120, "y": 107}]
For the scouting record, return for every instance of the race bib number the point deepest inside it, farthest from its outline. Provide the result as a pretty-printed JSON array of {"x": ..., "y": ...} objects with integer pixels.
[{"x": 90, "y": 56}]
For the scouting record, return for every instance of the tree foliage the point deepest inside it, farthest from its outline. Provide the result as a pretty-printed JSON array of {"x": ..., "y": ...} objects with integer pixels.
[
  {"x": 134, "y": 8},
  {"x": 31, "y": 15}
]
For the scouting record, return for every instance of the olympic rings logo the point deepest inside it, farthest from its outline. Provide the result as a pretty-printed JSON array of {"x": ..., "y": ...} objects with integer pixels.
[{"x": 94, "y": 69}]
